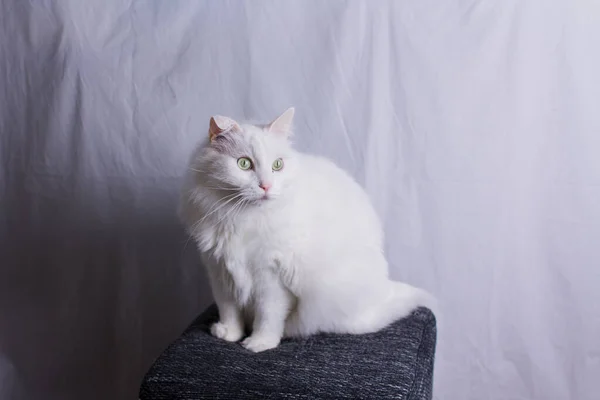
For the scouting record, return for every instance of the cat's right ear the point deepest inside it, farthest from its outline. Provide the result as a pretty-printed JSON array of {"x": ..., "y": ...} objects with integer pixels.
[
  {"x": 283, "y": 123},
  {"x": 219, "y": 125}
]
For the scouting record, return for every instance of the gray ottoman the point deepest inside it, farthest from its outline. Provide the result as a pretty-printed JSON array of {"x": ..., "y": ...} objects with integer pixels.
[{"x": 396, "y": 363}]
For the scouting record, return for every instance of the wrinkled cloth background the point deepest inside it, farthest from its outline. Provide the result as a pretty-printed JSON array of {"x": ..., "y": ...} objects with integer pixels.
[{"x": 473, "y": 125}]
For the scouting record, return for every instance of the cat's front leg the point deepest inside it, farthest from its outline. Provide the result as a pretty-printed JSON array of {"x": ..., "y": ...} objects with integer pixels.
[
  {"x": 230, "y": 326},
  {"x": 231, "y": 322},
  {"x": 271, "y": 307}
]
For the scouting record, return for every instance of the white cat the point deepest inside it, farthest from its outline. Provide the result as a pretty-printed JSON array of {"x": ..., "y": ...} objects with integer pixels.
[{"x": 290, "y": 241}]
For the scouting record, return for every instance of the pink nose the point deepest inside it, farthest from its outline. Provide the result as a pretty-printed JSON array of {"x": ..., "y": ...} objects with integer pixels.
[{"x": 265, "y": 186}]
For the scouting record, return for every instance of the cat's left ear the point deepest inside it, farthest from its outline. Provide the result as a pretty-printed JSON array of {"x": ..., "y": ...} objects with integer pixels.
[
  {"x": 283, "y": 123},
  {"x": 219, "y": 124}
]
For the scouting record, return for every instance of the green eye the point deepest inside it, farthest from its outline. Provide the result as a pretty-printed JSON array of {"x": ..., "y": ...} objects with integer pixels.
[
  {"x": 277, "y": 164},
  {"x": 244, "y": 163}
]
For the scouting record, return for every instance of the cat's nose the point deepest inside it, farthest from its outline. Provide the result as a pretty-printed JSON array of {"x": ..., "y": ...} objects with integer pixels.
[{"x": 265, "y": 186}]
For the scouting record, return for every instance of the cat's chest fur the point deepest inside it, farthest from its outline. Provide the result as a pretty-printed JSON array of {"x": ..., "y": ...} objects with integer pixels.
[
  {"x": 256, "y": 246},
  {"x": 256, "y": 241}
]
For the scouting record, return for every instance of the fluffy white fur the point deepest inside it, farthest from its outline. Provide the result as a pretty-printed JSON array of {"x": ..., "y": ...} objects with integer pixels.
[{"x": 304, "y": 257}]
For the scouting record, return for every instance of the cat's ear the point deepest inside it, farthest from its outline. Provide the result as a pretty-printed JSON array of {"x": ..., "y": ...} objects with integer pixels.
[
  {"x": 220, "y": 124},
  {"x": 283, "y": 123}
]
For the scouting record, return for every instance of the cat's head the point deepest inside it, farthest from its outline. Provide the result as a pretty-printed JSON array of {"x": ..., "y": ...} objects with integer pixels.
[{"x": 250, "y": 162}]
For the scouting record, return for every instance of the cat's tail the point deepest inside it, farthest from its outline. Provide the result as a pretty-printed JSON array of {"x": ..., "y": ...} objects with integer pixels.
[
  {"x": 404, "y": 299},
  {"x": 393, "y": 303}
]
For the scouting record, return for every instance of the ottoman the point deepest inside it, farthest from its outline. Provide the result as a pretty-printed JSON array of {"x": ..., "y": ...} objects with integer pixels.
[{"x": 395, "y": 363}]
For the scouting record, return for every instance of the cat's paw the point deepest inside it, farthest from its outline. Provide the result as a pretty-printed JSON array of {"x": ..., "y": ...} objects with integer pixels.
[
  {"x": 258, "y": 343},
  {"x": 229, "y": 332}
]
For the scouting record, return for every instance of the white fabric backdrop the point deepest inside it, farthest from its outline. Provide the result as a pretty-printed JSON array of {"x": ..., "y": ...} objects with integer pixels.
[{"x": 474, "y": 125}]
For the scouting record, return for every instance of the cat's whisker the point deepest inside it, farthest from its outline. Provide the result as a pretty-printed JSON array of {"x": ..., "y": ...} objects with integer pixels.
[
  {"x": 216, "y": 207},
  {"x": 223, "y": 204},
  {"x": 230, "y": 211},
  {"x": 192, "y": 229},
  {"x": 220, "y": 205},
  {"x": 243, "y": 206},
  {"x": 187, "y": 241},
  {"x": 235, "y": 209},
  {"x": 220, "y": 188}
]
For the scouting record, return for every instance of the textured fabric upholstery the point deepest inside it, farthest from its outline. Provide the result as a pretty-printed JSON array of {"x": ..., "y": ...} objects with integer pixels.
[{"x": 395, "y": 363}]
